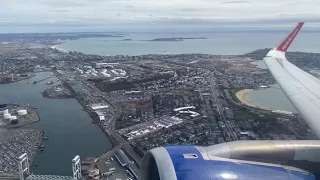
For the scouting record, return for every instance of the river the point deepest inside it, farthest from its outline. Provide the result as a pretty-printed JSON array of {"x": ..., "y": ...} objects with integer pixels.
[{"x": 68, "y": 126}]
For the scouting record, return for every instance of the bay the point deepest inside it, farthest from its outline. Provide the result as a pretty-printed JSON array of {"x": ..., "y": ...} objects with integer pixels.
[{"x": 225, "y": 43}]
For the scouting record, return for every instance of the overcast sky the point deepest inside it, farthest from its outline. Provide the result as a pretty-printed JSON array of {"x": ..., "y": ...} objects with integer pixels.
[{"x": 42, "y": 15}]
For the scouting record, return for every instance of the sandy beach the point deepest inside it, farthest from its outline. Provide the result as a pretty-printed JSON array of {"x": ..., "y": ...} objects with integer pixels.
[
  {"x": 241, "y": 96},
  {"x": 55, "y": 47}
]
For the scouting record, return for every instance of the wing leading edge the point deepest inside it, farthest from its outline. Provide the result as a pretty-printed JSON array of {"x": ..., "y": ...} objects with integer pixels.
[{"x": 301, "y": 88}]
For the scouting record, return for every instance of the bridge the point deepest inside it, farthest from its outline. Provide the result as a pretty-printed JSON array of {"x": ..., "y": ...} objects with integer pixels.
[
  {"x": 24, "y": 171},
  {"x": 48, "y": 177}
]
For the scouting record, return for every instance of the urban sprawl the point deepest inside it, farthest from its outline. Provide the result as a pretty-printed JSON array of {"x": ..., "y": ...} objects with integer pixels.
[{"x": 146, "y": 101}]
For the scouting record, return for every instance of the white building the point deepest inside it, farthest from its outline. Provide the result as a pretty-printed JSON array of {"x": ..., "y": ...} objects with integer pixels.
[
  {"x": 100, "y": 115},
  {"x": 98, "y": 106}
]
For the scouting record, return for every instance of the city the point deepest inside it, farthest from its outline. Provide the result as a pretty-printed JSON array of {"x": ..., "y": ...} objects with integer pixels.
[{"x": 146, "y": 101}]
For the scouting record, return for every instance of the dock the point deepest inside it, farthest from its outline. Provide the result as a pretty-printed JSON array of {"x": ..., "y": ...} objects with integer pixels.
[{"x": 35, "y": 82}]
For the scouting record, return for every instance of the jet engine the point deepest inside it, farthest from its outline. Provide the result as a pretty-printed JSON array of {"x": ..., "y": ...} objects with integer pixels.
[{"x": 239, "y": 160}]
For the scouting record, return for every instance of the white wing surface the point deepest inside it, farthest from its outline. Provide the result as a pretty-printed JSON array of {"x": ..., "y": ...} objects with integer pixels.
[{"x": 301, "y": 88}]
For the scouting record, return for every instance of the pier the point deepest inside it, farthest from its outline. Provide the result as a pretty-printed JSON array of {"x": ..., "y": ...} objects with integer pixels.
[{"x": 35, "y": 82}]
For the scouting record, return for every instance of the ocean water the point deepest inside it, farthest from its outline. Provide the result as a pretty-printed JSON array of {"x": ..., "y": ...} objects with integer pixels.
[
  {"x": 272, "y": 97},
  {"x": 228, "y": 43}
]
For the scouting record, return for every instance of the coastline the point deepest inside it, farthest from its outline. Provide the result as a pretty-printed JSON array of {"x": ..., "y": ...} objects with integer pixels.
[
  {"x": 62, "y": 97},
  {"x": 109, "y": 135},
  {"x": 21, "y": 79},
  {"x": 241, "y": 97},
  {"x": 40, "y": 142},
  {"x": 35, "y": 118},
  {"x": 56, "y": 48}
]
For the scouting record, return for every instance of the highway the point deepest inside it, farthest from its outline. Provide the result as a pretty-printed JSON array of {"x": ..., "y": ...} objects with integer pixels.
[
  {"x": 110, "y": 124},
  {"x": 220, "y": 108}
]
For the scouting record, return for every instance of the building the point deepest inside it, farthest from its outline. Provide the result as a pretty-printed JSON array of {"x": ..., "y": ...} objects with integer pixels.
[
  {"x": 94, "y": 174},
  {"x": 100, "y": 115},
  {"x": 98, "y": 106}
]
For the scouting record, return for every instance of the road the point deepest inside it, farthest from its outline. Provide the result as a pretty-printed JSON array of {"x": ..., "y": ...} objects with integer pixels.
[
  {"x": 220, "y": 108},
  {"x": 110, "y": 125}
]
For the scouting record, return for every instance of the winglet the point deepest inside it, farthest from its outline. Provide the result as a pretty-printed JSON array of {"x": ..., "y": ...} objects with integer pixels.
[{"x": 287, "y": 42}]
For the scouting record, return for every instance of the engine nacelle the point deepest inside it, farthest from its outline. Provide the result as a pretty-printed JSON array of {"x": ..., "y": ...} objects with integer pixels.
[{"x": 200, "y": 163}]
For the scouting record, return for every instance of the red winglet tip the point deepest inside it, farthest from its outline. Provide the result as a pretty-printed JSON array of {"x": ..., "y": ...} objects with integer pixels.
[{"x": 287, "y": 42}]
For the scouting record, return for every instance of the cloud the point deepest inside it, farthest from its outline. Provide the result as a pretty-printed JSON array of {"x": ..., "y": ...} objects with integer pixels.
[
  {"x": 123, "y": 13},
  {"x": 226, "y": 2}
]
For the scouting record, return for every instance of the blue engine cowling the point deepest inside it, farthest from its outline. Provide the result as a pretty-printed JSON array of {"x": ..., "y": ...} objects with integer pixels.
[{"x": 191, "y": 163}]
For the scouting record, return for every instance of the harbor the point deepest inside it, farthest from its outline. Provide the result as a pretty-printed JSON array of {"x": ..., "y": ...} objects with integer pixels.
[
  {"x": 68, "y": 128},
  {"x": 11, "y": 78},
  {"x": 40, "y": 80}
]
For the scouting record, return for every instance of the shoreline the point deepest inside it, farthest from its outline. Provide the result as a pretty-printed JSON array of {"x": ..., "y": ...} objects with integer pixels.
[
  {"x": 32, "y": 75},
  {"x": 40, "y": 142},
  {"x": 45, "y": 95},
  {"x": 56, "y": 48},
  {"x": 109, "y": 136},
  {"x": 241, "y": 97}
]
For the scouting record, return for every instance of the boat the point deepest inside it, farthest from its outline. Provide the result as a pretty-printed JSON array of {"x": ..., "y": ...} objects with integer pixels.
[
  {"x": 52, "y": 82},
  {"x": 49, "y": 82}
]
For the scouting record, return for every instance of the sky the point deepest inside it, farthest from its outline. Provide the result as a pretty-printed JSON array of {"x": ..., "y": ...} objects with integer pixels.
[{"x": 96, "y": 15}]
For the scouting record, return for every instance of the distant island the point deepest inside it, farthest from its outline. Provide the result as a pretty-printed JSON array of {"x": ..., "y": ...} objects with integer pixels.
[
  {"x": 126, "y": 39},
  {"x": 176, "y": 39}
]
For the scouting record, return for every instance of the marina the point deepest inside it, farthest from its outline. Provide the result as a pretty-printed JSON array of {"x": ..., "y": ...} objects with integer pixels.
[{"x": 35, "y": 82}]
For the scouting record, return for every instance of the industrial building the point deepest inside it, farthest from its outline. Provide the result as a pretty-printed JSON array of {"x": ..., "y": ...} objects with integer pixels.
[
  {"x": 287, "y": 113},
  {"x": 109, "y": 72},
  {"x": 100, "y": 115},
  {"x": 163, "y": 122},
  {"x": 184, "y": 108},
  {"x": 94, "y": 174},
  {"x": 98, "y": 106},
  {"x": 11, "y": 117},
  {"x": 125, "y": 162}
]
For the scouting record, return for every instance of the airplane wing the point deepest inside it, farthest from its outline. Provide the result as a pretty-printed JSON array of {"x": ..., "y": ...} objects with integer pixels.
[
  {"x": 246, "y": 159},
  {"x": 301, "y": 88}
]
